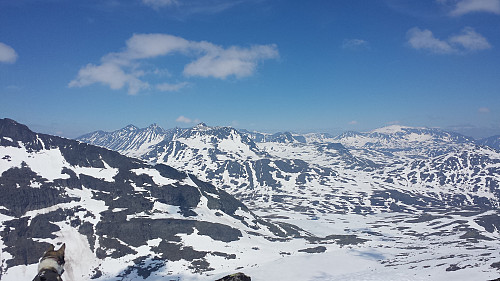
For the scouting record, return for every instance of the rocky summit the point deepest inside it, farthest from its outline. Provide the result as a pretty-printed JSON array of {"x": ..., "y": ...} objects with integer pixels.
[{"x": 391, "y": 168}]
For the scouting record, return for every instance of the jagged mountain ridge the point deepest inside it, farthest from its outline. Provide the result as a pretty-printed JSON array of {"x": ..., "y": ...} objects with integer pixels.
[
  {"x": 355, "y": 173},
  {"x": 280, "y": 137},
  {"x": 131, "y": 140},
  {"x": 230, "y": 159},
  {"x": 124, "y": 218},
  {"x": 493, "y": 142},
  {"x": 407, "y": 231}
]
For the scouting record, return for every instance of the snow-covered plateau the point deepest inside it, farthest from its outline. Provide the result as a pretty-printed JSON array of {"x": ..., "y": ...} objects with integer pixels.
[{"x": 397, "y": 203}]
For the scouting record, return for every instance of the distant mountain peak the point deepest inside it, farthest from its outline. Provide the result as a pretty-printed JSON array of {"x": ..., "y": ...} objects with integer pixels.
[
  {"x": 201, "y": 126},
  {"x": 130, "y": 127},
  {"x": 392, "y": 129},
  {"x": 155, "y": 128},
  {"x": 82, "y": 176},
  {"x": 493, "y": 142}
]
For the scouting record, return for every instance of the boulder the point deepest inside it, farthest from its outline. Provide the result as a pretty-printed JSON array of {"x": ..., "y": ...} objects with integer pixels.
[{"x": 235, "y": 277}]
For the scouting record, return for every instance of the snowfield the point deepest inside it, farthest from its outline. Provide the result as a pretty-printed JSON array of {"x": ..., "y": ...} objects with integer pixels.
[{"x": 397, "y": 203}]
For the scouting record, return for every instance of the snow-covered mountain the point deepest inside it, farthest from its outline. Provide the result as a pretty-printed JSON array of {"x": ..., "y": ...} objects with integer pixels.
[
  {"x": 427, "y": 194},
  {"x": 281, "y": 137},
  {"x": 493, "y": 142},
  {"x": 120, "y": 218},
  {"x": 408, "y": 141},
  {"x": 287, "y": 171},
  {"x": 130, "y": 140}
]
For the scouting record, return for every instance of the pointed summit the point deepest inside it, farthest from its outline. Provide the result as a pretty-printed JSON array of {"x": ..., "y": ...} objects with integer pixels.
[
  {"x": 201, "y": 126},
  {"x": 155, "y": 128},
  {"x": 130, "y": 127}
]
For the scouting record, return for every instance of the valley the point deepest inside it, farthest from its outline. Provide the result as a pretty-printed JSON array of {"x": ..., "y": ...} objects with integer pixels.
[{"x": 398, "y": 203}]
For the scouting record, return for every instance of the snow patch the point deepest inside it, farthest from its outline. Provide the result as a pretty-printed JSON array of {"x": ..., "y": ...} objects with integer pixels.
[
  {"x": 155, "y": 175},
  {"x": 46, "y": 163},
  {"x": 107, "y": 173}
]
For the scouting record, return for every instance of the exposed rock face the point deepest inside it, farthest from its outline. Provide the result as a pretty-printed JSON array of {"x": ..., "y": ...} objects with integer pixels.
[
  {"x": 123, "y": 208},
  {"x": 404, "y": 197},
  {"x": 493, "y": 142},
  {"x": 235, "y": 277},
  {"x": 395, "y": 168}
]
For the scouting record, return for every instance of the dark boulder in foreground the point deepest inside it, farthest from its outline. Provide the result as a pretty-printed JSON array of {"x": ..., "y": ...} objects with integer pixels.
[{"x": 235, "y": 277}]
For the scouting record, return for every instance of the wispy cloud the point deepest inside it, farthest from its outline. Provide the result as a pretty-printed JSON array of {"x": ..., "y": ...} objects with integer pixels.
[
  {"x": 354, "y": 44},
  {"x": 483, "y": 110},
  {"x": 166, "y": 87},
  {"x": 186, "y": 120},
  {"x": 186, "y": 8},
  {"x": 159, "y": 3},
  {"x": 353, "y": 122},
  {"x": 220, "y": 63},
  {"x": 462, "y": 7},
  {"x": 424, "y": 39},
  {"x": 468, "y": 40},
  {"x": 7, "y": 54},
  {"x": 112, "y": 75},
  {"x": 124, "y": 69}
]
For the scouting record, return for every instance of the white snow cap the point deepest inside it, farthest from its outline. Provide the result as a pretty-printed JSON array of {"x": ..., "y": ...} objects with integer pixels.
[{"x": 390, "y": 129}]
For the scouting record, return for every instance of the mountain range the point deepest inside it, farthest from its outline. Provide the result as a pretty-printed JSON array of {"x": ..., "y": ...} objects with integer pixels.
[
  {"x": 198, "y": 203},
  {"x": 427, "y": 174},
  {"x": 283, "y": 169},
  {"x": 120, "y": 217}
]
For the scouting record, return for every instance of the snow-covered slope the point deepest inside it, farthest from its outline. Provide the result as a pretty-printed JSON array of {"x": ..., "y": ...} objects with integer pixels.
[
  {"x": 120, "y": 218},
  {"x": 281, "y": 137},
  {"x": 437, "y": 186},
  {"x": 130, "y": 140},
  {"x": 408, "y": 141},
  {"x": 290, "y": 172},
  {"x": 493, "y": 142}
]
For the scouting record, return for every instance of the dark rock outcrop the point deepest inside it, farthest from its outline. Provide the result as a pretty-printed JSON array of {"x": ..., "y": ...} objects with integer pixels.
[{"x": 235, "y": 277}]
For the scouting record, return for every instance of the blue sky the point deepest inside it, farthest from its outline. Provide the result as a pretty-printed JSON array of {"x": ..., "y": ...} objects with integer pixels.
[{"x": 71, "y": 67}]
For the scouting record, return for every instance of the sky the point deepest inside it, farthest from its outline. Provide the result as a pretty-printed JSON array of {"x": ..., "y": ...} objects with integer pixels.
[{"x": 71, "y": 67}]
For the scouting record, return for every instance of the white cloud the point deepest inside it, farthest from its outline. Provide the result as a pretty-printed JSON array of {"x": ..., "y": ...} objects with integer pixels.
[
  {"x": 353, "y": 122},
  {"x": 470, "y": 40},
  {"x": 463, "y": 7},
  {"x": 7, "y": 54},
  {"x": 424, "y": 39},
  {"x": 354, "y": 44},
  {"x": 166, "y": 87},
  {"x": 221, "y": 63},
  {"x": 119, "y": 69},
  {"x": 484, "y": 110},
  {"x": 183, "y": 119},
  {"x": 466, "y": 41},
  {"x": 143, "y": 46},
  {"x": 109, "y": 74}
]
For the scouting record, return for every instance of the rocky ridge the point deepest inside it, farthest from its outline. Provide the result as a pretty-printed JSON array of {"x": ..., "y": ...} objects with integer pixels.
[{"x": 118, "y": 215}]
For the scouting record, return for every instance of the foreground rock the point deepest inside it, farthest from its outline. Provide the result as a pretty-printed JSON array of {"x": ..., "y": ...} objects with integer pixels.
[{"x": 235, "y": 277}]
